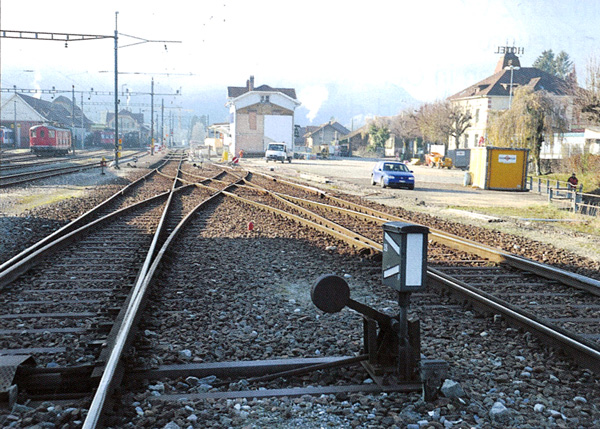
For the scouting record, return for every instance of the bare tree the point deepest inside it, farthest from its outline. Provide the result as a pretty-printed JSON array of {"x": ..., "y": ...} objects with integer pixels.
[
  {"x": 433, "y": 120},
  {"x": 588, "y": 99},
  {"x": 460, "y": 120},
  {"x": 441, "y": 120}
]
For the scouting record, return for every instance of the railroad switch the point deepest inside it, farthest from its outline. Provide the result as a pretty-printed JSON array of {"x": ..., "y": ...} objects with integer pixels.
[
  {"x": 9, "y": 367},
  {"x": 391, "y": 344}
]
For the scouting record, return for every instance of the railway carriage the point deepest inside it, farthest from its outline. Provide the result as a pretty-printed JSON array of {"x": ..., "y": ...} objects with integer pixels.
[
  {"x": 7, "y": 137},
  {"x": 49, "y": 140}
]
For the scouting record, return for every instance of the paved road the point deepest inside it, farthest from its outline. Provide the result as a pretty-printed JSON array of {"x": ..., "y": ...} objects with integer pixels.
[{"x": 440, "y": 187}]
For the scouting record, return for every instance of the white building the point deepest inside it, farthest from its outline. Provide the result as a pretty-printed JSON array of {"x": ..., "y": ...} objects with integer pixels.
[
  {"x": 494, "y": 94},
  {"x": 260, "y": 116}
]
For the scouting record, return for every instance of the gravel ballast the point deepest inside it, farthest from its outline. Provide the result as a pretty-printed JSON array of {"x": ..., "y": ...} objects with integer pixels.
[{"x": 499, "y": 377}]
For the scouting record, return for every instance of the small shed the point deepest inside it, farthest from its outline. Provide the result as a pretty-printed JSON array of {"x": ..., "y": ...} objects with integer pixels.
[
  {"x": 460, "y": 158},
  {"x": 499, "y": 168}
]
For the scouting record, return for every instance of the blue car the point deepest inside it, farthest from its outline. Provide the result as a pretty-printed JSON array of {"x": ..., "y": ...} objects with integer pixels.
[{"x": 389, "y": 173}]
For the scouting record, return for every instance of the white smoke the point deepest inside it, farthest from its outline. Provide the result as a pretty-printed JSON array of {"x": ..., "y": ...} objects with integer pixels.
[
  {"x": 37, "y": 78},
  {"x": 312, "y": 98}
]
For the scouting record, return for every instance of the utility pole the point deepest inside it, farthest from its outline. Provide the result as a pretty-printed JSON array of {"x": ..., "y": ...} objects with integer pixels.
[
  {"x": 170, "y": 128},
  {"x": 162, "y": 120},
  {"x": 15, "y": 131},
  {"x": 73, "y": 119},
  {"x": 82, "y": 124},
  {"x": 117, "y": 140},
  {"x": 152, "y": 118}
]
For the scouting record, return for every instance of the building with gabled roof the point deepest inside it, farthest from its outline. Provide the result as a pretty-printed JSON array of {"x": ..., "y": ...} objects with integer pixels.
[
  {"x": 494, "y": 93},
  {"x": 132, "y": 129},
  {"x": 259, "y": 116},
  {"x": 24, "y": 112},
  {"x": 328, "y": 134}
]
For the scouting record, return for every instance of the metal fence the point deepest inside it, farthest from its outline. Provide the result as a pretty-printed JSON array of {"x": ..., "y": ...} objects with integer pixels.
[{"x": 562, "y": 194}]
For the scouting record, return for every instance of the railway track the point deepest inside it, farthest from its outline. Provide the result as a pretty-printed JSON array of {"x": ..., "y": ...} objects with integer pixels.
[
  {"x": 65, "y": 314},
  {"x": 23, "y": 177},
  {"x": 32, "y": 161},
  {"x": 218, "y": 194},
  {"x": 534, "y": 291}
]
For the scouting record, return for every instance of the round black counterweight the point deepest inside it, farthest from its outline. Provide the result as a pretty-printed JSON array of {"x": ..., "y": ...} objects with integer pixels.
[{"x": 330, "y": 293}]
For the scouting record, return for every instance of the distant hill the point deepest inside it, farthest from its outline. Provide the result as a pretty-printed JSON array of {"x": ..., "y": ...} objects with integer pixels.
[{"x": 350, "y": 105}]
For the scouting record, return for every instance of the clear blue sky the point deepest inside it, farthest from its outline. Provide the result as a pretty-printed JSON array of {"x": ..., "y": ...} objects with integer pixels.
[{"x": 430, "y": 48}]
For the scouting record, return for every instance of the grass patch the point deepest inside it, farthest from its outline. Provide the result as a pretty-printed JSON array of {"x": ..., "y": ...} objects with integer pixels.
[
  {"x": 33, "y": 201},
  {"x": 588, "y": 224}
]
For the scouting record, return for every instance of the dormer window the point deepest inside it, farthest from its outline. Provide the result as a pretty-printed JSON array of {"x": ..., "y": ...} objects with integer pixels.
[{"x": 264, "y": 99}]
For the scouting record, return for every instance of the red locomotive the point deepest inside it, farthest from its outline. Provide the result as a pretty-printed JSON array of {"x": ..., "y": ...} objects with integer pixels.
[{"x": 46, "y": 139}]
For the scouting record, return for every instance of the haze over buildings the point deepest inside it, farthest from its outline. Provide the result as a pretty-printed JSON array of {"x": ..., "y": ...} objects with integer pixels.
[{"x": 345, "y": 60}]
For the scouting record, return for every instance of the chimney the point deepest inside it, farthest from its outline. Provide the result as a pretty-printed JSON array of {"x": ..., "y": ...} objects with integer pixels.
[{"x": 251, "y": 84}]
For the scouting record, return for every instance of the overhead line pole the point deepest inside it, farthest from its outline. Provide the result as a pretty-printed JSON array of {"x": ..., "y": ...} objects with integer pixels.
[
  {"x": 89, "y": 92},
  {"x": 73, "y": 37},
  {"x": 152, "y": 118},
  {"x": 116, "y": 92}
]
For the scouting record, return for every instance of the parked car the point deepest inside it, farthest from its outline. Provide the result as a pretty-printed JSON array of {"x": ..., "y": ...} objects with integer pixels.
[
  {"x": 278, "y": 152},
  {"x": 389, "y": 173}
]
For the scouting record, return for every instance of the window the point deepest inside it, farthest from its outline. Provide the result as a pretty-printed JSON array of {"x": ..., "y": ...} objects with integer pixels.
[
  {"x": 252, "y": 120},
  {"x": 476, "y": 116},
  {"x": 42, "y": 133},
  {"x": 476, "y": 140},
  {"x": 51, "y": 133}
]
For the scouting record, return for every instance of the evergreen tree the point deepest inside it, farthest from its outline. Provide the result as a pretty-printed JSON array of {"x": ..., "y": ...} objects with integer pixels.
[
  {"x": 379, "y": 135},
  {"x": 559, "y": 65}
]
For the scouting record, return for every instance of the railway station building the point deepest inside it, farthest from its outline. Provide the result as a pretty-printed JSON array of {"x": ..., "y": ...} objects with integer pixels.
[{"x": 259, "y": 116}]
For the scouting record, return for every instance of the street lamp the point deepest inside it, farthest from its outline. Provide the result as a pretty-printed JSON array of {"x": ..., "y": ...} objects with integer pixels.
[{"x": 510, "y": 91}]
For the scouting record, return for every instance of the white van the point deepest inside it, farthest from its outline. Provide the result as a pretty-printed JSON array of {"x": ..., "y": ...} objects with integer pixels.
[{"x": 278, "y": 152}]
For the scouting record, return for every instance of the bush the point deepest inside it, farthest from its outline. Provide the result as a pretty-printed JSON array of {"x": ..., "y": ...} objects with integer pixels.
[{"x": 587, "y": 168}]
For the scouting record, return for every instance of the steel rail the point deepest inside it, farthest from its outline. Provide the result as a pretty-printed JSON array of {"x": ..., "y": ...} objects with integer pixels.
[
  {"x": 585, "y": 352},
  {"x": 44, "y": 174},
  {"x": 5, "y": 168},
  {"x": 488, "y": 252},
  {"x": 30, "y": 260},
  {"x": 111, "y": 376},
  {"x": 31, "y": 176},
  {"x": 336, "y": 230},
  {"x": 96, "y": 409},
  {"x": 582, "y": 350},
  {"x": 320, "y": 220},
  {"x": 78, "y": 222},
  {"x": 320, "y": 223},
  {"x": 88, "y": 154}
]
